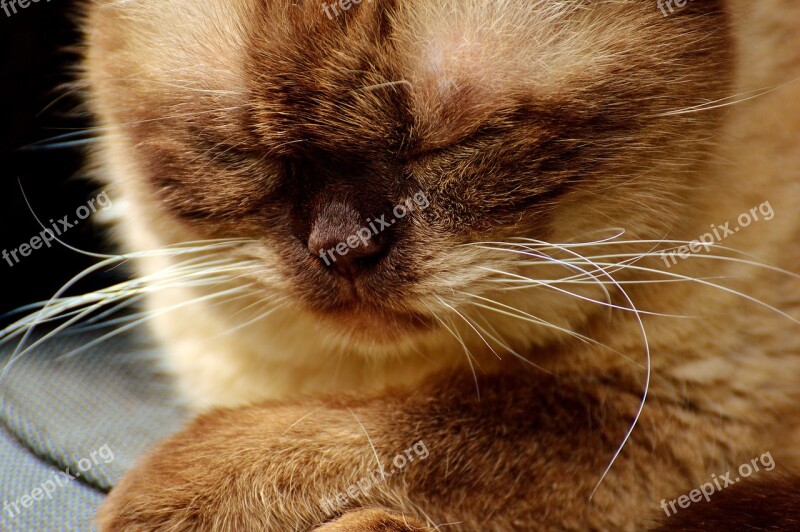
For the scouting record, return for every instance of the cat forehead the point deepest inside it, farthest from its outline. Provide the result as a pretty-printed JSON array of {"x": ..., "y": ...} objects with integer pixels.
[
  {"x": 450, "y": 65},
  {"x": 466, "y": 60},
  {"x": 442, "y": 66}
]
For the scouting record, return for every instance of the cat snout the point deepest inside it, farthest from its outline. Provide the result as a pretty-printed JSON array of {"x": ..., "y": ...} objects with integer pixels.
[{"x": 345, "y": 241}]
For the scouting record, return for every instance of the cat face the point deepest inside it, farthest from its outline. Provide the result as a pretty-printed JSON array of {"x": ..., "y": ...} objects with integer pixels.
[{"x": 367, "y": 154}]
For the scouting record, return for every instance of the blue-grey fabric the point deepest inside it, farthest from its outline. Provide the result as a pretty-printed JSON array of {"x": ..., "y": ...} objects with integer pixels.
[{"x": 72, "y": 423}]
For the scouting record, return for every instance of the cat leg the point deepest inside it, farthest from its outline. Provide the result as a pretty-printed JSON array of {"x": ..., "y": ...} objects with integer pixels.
[
  {"x": 525, "y": 454},
  {"x": 373, "y": 521}
]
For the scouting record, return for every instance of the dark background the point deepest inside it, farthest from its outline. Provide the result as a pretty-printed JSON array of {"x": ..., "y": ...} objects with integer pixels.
[{"x": 40, "y": 53}]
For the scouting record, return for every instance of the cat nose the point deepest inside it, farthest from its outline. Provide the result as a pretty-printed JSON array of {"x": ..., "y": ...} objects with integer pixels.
[{"x": 342, "y": 242}]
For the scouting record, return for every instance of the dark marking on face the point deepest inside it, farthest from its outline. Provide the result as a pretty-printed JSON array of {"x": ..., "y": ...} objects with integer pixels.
[{"x": 336, "y": 122}]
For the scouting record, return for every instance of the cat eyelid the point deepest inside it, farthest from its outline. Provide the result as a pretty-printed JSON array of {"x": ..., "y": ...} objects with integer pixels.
[{"x": 483, "y": 132}]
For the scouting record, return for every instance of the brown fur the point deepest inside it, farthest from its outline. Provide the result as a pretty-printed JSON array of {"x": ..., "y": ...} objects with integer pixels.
[
  {"x": 372, "y": 521},
  {"x": 771, "y": 505},
  {"x": 257, "y": 117},
  {"x": 516, "y": 457}
]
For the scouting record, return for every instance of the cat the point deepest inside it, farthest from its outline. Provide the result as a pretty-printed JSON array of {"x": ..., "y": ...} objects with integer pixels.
[{"x": 523, "y": 328}]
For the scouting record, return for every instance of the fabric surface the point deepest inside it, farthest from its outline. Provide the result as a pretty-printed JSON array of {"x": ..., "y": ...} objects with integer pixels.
[{"x": 71, "y": 423}]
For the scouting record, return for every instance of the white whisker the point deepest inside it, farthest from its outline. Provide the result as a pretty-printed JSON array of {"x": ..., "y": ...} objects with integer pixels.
[
  {"x": 525, "y": 316},
  {"x": 469, "y": 323},
  {"x": 193, "y": 272},
  {"x": 463, "y": 345},
  {"x": 149, "y": 316},
  {"x": 577, "y": 296},
  {"x": 281, "y": 303}
]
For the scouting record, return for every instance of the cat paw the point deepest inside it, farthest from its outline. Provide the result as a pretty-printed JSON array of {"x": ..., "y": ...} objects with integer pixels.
[
  {"x": 241, "y": 469},
  {"x": 373, "y": 521}
]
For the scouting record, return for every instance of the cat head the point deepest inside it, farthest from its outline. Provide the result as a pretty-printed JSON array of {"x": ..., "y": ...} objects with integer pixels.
[{"x": 389, "y": 159}]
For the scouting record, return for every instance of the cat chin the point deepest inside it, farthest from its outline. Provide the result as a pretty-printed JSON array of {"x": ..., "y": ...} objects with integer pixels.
[{"x": 373, "y": 327}]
